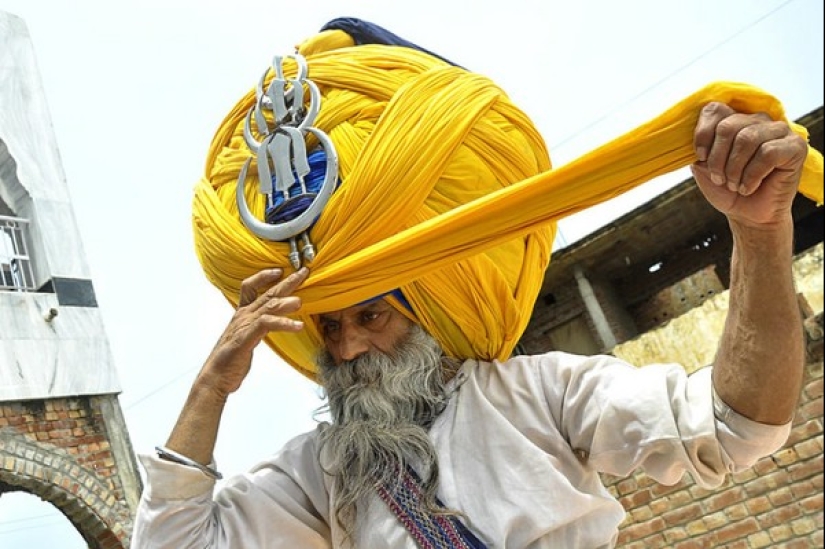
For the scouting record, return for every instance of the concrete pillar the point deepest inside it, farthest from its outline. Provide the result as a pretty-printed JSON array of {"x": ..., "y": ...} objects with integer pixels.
[{"x": 594, "y": 309}]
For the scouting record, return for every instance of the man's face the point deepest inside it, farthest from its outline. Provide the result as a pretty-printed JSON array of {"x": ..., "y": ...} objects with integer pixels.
[{"x": 354, "y": 331}]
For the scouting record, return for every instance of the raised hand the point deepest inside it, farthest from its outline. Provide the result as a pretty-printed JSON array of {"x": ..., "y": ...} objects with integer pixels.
[
  {"x": 265, "y": 300},
  {"x": 748, "y": 165}
]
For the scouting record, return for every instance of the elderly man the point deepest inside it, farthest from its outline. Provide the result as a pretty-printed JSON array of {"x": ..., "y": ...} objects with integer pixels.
[{"x": 425, "y": 450}]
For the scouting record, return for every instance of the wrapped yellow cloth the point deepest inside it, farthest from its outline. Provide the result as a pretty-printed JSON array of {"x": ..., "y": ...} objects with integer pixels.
[{"x": 447, "y": 194}]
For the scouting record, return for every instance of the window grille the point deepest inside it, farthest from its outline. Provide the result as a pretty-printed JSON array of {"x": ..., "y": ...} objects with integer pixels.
[{"x": 15, "y": 264}]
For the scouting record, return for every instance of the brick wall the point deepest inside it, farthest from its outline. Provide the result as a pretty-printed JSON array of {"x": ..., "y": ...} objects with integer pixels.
[
  {"x": 777, "y": 503},
  {"x": 62, "y": 451},
  {"x": 69, "y": 423}
]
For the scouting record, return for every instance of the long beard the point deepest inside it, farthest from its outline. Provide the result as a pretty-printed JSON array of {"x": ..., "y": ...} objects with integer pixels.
[{"x": 382, "y": 407}]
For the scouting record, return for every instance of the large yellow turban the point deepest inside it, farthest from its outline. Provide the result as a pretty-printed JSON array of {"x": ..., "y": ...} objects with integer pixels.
[{"x": 446, "y": 193}]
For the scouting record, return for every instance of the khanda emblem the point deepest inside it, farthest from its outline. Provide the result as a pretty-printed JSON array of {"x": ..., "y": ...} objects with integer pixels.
[{"x": 295, "y": 194}]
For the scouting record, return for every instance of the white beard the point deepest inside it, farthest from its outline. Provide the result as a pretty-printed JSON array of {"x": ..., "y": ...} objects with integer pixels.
[{"x": 382, "y": 407}]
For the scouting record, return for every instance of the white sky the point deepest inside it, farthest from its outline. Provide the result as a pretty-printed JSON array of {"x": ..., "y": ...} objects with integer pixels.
[{"x": 137, "y": 88}]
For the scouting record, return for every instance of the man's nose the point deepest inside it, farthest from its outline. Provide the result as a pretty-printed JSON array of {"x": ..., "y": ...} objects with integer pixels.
[{"x": 354, "y": 342}]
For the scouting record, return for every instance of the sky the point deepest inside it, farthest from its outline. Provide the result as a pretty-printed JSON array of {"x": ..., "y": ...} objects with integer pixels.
[{"x": 136, "y": 90}]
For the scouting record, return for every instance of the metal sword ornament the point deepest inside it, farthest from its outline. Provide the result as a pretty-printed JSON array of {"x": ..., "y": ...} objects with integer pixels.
[{"x": 282, "y": 152}]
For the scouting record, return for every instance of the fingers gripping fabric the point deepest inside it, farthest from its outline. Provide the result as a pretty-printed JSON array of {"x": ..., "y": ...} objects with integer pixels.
[{"x": 446, "y": 193}]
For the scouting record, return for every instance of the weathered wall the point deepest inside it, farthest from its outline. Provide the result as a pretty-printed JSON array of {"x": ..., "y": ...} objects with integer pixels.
[
  {"x": 74, "y": 454},
  {"x": 808, "y": 276},
  {"x": 691, "y": 339}
]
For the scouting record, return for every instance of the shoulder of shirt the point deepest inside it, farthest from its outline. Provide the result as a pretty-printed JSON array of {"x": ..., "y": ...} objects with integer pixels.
[{"x": 484, "y": 372}]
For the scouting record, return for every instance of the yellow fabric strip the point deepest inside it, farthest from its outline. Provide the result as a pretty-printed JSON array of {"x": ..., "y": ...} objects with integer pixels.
[
  {"x": 434, "y": 245},
  {"x": 661, "y": 146}
]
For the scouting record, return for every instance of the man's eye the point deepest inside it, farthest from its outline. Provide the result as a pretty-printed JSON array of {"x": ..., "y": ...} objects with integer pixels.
[
  {"x": 330, "y": 328},
  {"x": 369, "y": 316}
]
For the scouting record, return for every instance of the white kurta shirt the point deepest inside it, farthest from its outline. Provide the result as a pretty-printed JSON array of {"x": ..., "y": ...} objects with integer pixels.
[{"x": 520, "y": 448}]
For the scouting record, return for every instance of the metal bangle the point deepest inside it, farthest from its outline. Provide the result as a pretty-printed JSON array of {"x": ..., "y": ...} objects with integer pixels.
[{"x": 170, "y": 455}]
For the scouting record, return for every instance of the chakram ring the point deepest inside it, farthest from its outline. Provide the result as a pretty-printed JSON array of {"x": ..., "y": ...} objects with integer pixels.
[{"x": 283, "y": 150}]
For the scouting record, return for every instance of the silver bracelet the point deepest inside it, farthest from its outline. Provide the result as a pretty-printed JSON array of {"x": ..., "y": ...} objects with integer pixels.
[{"x": 169, "y": 455}]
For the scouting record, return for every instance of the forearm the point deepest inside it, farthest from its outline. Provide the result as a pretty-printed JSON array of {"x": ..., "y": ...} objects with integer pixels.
[
  {"x": 259, "y": 312},
  {"x": 196, "y": 430},
  {"x": 759, "y": 366}
]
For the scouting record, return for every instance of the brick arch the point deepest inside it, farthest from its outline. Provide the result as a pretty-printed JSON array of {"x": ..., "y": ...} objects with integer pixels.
[{"x": 52, "y": 474}]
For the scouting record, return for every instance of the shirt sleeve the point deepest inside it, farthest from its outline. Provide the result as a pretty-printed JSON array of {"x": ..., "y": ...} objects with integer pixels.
[
  {"x": 280, "y": 503},
  {"x": 657, "y": 418}
]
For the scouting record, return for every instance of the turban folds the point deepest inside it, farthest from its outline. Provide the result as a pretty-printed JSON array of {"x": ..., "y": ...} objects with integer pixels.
[{"x": 446, "y": 193}]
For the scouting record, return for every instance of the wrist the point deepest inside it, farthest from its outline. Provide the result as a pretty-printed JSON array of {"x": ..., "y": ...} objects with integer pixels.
[
  {"x": 208, "y": 389},
  {"x": 774, "y": 237}
]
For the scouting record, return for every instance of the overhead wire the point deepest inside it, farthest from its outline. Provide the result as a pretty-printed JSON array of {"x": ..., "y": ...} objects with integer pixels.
[{"x": 669, "y": 76}]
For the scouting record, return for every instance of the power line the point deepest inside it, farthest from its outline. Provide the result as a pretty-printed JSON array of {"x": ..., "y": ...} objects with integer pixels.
[
  {"x": 22, "y": 528},
  {"x": 672, "y": 74},
  {"x": 160, "y": 388},
  {"x": 5, "y": 522}
]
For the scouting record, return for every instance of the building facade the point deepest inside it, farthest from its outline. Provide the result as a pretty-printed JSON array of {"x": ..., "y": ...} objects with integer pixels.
[{"x": 62, "y": 434}]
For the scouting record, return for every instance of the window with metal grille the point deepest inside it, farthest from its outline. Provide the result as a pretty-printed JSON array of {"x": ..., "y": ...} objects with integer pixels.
[{"x": 15, "y": 264}]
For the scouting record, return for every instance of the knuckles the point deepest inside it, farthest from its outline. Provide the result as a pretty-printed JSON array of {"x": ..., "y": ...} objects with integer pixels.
[
  {"x": 799, "y": 143},
  {"x": 716, "y": 108}
]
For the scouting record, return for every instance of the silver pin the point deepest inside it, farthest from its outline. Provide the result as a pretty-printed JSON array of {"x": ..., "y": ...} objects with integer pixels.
[
  {"x": 308, "y": 249},
  {"x": 294, "y": 256}
]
